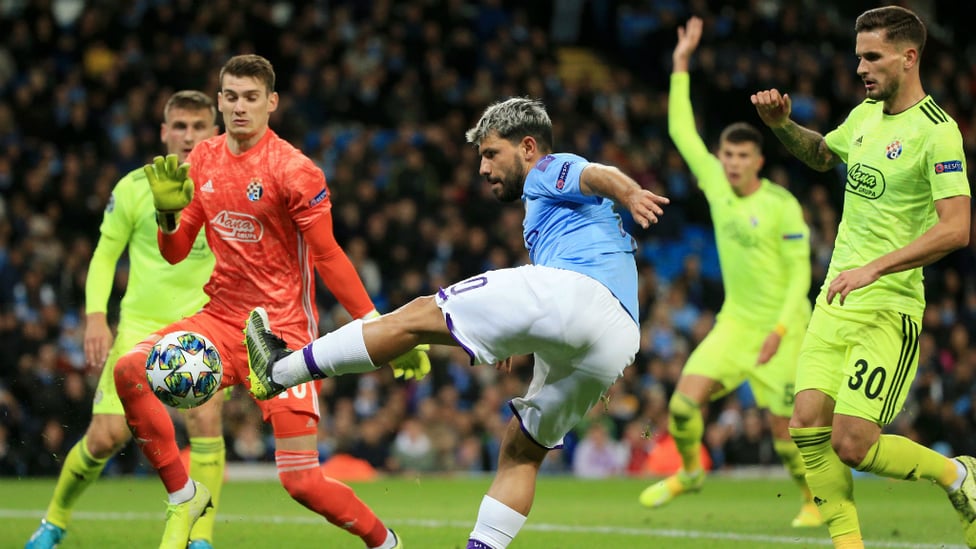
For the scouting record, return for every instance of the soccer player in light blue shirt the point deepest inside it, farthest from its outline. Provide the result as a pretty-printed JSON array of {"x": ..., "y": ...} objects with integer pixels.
[
  {"x": 574, "y": 309},
  {"x": 566, "y": 228}
]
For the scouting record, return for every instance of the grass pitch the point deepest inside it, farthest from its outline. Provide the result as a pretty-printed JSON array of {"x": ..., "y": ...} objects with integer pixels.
[{"x": 438, "y": 512}]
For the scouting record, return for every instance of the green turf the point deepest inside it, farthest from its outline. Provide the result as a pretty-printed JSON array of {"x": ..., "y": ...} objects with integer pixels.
[{"x": 439, "y": 512}]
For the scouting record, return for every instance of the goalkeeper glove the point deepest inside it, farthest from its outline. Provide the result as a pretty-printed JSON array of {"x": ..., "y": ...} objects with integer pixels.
[
  {"x": 172, "y": 190},
  {"x": 413, "y": 364}
]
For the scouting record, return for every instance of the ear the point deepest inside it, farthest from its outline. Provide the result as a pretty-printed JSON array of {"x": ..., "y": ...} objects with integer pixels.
[
  {"x": 273, "y": 102},
  {"x": 528, "y": 147},
  {"x": 911, "y": 58}
]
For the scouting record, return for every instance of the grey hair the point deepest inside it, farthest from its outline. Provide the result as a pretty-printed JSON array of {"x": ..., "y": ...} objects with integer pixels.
[{"x": 513, "y": 119}]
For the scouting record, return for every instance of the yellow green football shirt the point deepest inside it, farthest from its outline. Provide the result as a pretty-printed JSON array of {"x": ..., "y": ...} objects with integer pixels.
[
  {"x": 157, "y": 293},
  {"x": 763, "y": 242},
  {"x": 897, "y": 167}
]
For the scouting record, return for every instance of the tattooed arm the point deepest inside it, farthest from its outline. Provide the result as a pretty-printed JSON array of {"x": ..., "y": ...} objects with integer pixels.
[{"x": 805, "y": 144}]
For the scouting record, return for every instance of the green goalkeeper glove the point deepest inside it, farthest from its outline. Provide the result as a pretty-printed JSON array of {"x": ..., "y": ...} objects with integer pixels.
[
  {"x": 414, "y": 364},
  {"x": 172, "y": 189}
]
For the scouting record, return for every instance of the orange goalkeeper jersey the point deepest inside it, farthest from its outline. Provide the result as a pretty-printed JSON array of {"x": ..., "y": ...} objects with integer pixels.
[{"x": 254, "y": 207}]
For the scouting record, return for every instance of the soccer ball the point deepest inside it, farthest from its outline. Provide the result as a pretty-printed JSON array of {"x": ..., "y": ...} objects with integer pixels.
[{"x": 184, "y": 369}]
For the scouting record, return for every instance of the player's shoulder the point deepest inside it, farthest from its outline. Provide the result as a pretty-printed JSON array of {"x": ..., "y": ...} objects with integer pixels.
[
  {"x": 866, "y": 108},
  {"x": 287, "y": 155},
  {"x": 136, "y": 179},
  {"x": 929, "y": 113},
  {"x": 208, "y": 147},
  {"x": 557, "y": 162},
  {"x": 778, "y": 192}
]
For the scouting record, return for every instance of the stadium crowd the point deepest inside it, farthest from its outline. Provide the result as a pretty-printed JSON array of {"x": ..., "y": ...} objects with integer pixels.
[{"x": 379, "y": 95}]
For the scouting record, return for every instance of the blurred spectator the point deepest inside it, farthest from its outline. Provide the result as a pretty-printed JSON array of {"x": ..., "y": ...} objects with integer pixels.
[{"x": 598, "y": 454}]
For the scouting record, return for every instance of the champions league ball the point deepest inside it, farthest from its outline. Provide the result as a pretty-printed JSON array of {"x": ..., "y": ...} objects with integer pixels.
[{"x": 184, "y": 369}]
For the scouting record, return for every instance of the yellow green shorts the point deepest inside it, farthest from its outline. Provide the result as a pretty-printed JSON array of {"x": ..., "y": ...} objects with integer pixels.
[
  {"x": 728, "y": 355},
  {"x": 864, "y": 360},
  {"x": 106, "y": 401}
]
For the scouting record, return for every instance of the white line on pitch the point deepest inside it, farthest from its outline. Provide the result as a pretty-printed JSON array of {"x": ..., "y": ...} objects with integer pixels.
[{"x": 543, "y": 527}]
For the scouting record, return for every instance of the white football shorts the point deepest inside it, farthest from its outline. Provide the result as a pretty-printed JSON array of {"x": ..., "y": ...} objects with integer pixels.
[{"x": 581, "y": 337}]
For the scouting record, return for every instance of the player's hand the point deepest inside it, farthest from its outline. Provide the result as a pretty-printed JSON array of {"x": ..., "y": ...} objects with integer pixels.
[
  {"x": 505, "y": 365},
  {"x": 414, "y": 364},
  {"x": 645, "y": 206},
  {"x": 688, "y": 38},
  {"x": 848, "y": 281},
  {"x": 98, "y": 340},
  {"x": 773, "y": 108},
  {"x": 171, "y": 187},
  {"x": 769, "y": 347}
]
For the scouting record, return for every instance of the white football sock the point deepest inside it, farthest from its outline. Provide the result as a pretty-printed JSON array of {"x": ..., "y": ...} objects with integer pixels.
[
  {"x": 184, "y": 494},
  {"x": 497, "y": 523},
  {"x": 342, "y": 351}
]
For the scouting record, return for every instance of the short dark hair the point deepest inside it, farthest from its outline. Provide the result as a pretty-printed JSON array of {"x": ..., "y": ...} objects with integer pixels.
[
  {"x": 900, "y": 25},
  {"x": 513, "y": 119},
  {"x": 742, "y": 132},
  {"x": 191, "y": 100},
  {"x": 250, "y": 65}
]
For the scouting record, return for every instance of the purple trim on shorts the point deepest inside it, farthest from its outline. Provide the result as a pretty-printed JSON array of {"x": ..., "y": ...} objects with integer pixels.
[
  {"x": 313, "y": 368},
  {"x": 450, "y": 328},
  {"x": 526, "y": 433}
]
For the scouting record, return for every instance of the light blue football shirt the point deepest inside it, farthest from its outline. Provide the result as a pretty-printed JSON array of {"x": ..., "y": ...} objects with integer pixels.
[{"x": 565, "y": 229}]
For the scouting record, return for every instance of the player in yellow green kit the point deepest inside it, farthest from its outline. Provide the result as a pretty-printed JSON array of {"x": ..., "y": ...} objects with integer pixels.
[
  {"x": 907, "y": 204},
  {"x": 764, "y": 251},
  {"x": 157, "y": 294}
]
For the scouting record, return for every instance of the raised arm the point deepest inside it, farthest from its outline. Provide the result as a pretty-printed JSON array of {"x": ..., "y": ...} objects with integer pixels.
[
  {"x": 688, "y": 38},
  {"x": 610, "y": 182},
  {"x": 807, "y": 145}
]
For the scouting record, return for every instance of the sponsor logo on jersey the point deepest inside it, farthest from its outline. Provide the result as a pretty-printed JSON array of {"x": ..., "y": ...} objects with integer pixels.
[
  {"x": 208, "y": 186},
  {"x": 865, "y": 181},
  {"x": 948, "y": 166},
  {"x": 893, "y": 150},
  {"x": 792, "y": 236},
  {"x": 318, "y": 198},
  {"x": 858, "y": 141},
  {"x": 563, "y": 172},
  {"x": 237, "y": 226},
  {"x": 111, "y": 204},
  {"x": 255, "y": 190}
]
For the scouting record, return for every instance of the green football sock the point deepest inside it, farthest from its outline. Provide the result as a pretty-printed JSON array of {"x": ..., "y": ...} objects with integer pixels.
[
  {"x": 207, "y": 460},
  {"x": 789, "y": 454},
  {"x": 686, "y": 427},
  {"x": 80, "y": 469},
  {"x": 897, "y": 457},
  {"x": 829, "y": 480}
]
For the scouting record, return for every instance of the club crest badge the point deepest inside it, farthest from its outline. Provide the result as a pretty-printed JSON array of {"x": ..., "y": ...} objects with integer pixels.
[
  {"x": 255, "y": 190},
  {"x": 893, "y": 150}
]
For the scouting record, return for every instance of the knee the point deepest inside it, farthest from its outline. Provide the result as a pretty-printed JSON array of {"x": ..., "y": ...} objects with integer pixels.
[
  {"x": 850, "y": 449},
  {"x": 205, "y": 420},
  {"x": 105, "y": 438},
  {"x": 682, "y": 406},
  {"x": 130, "y": 371}
]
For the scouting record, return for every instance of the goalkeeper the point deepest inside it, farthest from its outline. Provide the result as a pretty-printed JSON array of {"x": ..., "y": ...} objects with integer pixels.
[
  {"x": 764, "y": 252},
  {"x": 157, "y": 294},
  {"x": 266, "y": 211}
]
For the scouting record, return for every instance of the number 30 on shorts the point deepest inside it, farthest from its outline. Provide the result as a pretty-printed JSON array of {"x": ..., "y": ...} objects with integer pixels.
[{"x": 871, "y": 380}]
